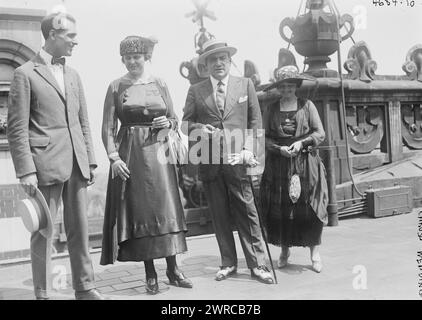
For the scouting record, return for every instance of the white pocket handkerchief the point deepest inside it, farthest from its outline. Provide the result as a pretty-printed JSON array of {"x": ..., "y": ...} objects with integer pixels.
[{"x": 243, "y": 99}]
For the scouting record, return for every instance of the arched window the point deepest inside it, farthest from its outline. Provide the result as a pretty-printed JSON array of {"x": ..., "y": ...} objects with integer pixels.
[{"x": 12, "y": 55}]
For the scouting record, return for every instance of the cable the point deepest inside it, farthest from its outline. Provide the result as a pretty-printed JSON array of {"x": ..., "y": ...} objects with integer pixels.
[{"x": 349, "y": 166}]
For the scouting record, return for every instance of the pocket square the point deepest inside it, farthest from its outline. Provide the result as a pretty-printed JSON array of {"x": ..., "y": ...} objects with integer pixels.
[{"x": 243, "y": 99}]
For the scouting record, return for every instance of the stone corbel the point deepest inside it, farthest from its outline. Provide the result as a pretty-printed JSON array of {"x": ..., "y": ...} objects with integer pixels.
[
  {"x": 360, "y": 64},
  {"x": 413, "y": 64},
  {"x": 251, "y": 71},
  {"x": 285, "y": 58}
]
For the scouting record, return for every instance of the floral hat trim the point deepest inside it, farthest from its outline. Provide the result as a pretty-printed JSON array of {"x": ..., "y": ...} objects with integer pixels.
[{"x": 288, "y": 73}]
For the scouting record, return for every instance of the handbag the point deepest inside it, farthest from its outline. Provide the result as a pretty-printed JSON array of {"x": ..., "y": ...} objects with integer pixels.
[
  {"x": 294, "y": 185},
  {"x": 177, "y": 150}
]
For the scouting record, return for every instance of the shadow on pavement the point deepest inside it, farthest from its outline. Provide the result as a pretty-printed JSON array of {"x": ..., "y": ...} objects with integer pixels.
[{"x": 16, "y": 294}]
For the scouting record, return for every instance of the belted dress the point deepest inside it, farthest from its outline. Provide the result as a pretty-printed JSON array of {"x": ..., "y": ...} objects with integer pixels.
[
  {"x": 144, "y": 217},
  {"x": 288, "y": 223}
]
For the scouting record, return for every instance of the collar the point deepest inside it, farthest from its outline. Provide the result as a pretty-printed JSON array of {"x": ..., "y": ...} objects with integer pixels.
[
  {"x": 46, "y": 57},
  {"x": 144, "y": 79},
  {"x": 215, "y": 82}
]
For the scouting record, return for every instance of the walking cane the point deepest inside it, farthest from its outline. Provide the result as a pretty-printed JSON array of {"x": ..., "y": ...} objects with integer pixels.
[{"x": 262, "y": 228}]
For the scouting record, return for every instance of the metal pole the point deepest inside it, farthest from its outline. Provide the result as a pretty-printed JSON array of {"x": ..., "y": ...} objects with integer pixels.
[{"x": 332, "y": 208}]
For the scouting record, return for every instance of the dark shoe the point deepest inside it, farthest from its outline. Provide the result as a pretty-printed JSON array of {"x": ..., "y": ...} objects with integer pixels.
[
  {"x": 92, "y": 294},
  {"x": 42, "y": 298},
  {"x": 152, "y": 285},
  {"x": 262, "y": 274},
  {"x": 225, "y": 272},
  {"x": 179, "y": 280}
]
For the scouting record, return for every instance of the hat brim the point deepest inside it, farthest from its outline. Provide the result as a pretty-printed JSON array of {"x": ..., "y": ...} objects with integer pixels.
[
  {"x": 298, "y": 80},
  {"x": 230, "y": 50},
  {"x": 46, "y": 232}
]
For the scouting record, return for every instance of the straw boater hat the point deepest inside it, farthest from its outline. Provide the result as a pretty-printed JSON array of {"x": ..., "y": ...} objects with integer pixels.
[
  {"x": 288, "y": 74},
  {"x": 35, "y": 214},
  {"x": 214, "y": 46}
]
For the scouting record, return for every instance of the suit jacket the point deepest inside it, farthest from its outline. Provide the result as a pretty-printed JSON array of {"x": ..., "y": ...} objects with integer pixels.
[
  {"x": 45, "y": 127},
  {"x": 241, "y": 112}
]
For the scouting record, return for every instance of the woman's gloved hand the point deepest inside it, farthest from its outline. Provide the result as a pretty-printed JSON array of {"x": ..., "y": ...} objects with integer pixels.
[
  {"x": 161, "y": 123},
  {"x": 285, "y": 152},
  {"x": 120, "y": 169},
  {"x": 295, "y": 148}
]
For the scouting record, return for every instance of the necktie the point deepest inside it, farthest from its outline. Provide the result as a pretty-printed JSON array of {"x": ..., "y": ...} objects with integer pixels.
[
  {"x": 220, "y": 97},
  {"x": 61, "y": 61}
]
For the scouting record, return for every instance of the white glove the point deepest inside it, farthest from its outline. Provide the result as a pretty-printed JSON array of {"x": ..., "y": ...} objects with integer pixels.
[{"x": 245, "y": 157}]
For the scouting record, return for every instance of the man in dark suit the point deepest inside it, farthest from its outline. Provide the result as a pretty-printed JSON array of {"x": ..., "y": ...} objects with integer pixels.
[
  {"x": 224, "y": 110},
  {"x": 51, "y": 147}
]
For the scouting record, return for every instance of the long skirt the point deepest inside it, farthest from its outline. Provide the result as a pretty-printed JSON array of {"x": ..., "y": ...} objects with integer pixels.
[
  {"x": 149, "y": 222},
  {"x": 288, "y": 224}
]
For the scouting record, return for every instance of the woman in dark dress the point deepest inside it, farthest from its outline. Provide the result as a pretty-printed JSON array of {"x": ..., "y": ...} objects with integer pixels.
[
  {"x": 144, "y": 218},
  {"x": 292, "y": 130}
]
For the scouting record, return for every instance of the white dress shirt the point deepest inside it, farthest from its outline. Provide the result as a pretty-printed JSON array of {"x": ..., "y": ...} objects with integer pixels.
[
  {"x": 215, "y": 82},
  {"x": 56, "y": 70}
]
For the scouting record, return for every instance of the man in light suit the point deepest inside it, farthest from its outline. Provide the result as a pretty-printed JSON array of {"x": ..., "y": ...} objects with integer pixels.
[
  {"x": 218, "y": 107},
  {"x": 51, "y": 147}
]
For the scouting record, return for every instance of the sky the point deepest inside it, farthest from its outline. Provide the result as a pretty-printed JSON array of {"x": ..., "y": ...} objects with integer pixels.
[{"x": 249, "y": 25}]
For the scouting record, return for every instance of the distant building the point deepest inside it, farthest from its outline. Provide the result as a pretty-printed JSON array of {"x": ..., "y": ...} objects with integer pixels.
[{"x": 20, "y": 39}]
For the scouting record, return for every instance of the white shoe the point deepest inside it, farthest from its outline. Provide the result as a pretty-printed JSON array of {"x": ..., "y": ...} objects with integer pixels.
[
  {"x": 317, "y": 263},
  {"x": 225, "y": 272},
  {"x": 262, "y": 274},
  {"x": 282, "y": 260}
]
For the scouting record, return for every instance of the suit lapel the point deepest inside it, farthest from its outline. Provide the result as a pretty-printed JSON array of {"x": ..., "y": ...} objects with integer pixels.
[
  {"x": 41, "y": 68},
  {"x": 208, "y": 96},
  {"x": 231, "y": 94}
]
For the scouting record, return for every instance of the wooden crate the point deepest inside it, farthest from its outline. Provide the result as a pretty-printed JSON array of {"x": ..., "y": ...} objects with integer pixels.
[{"x": 389, "y": 201}]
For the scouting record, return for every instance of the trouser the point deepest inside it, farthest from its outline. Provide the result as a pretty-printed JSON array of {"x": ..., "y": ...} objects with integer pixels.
[
  {"x": 231, "y": 197},
  {"x": 74, "y": 195}
]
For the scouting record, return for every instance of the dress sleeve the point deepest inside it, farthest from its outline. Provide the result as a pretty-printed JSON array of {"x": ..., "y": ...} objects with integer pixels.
[
  {"x": 110, "y": 124},
  {"x": 171, "y": 115},
  {"x": 270, "y": 143},
  {"x": 317, "y": 134}
]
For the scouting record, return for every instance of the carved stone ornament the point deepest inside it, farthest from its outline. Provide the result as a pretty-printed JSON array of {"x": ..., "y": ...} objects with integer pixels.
[
  {"x": 316, "y": 4},
  {"x": 315, "y": 35},
  {"x": 413, "y": 64},
  {"x": 412, "y": 125},
  {"x": 360, "y": 64},
  {"x": 285, "y": 58},
  {"x": 364, "y": 127},
  {"x": 191, "y": 70},
  {"x": 251, "y": 71}
]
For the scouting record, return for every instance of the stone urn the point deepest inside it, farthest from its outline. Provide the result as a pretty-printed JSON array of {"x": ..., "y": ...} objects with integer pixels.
[
  {"x": 315, "y": 35},
  {"x": 190, "y": 69}
]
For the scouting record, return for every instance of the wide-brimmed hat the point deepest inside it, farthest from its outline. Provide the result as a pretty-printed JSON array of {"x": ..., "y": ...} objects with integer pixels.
[
  {"x": 137, "y": 44},
  {"x": 35, "y": 214},
  {"x": 214, "y": 46},
  {"x": 288, "y": 74}
]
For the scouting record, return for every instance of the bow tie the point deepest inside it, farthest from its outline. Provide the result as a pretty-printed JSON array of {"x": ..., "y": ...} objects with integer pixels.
[{"x": 61, "y": 61}]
